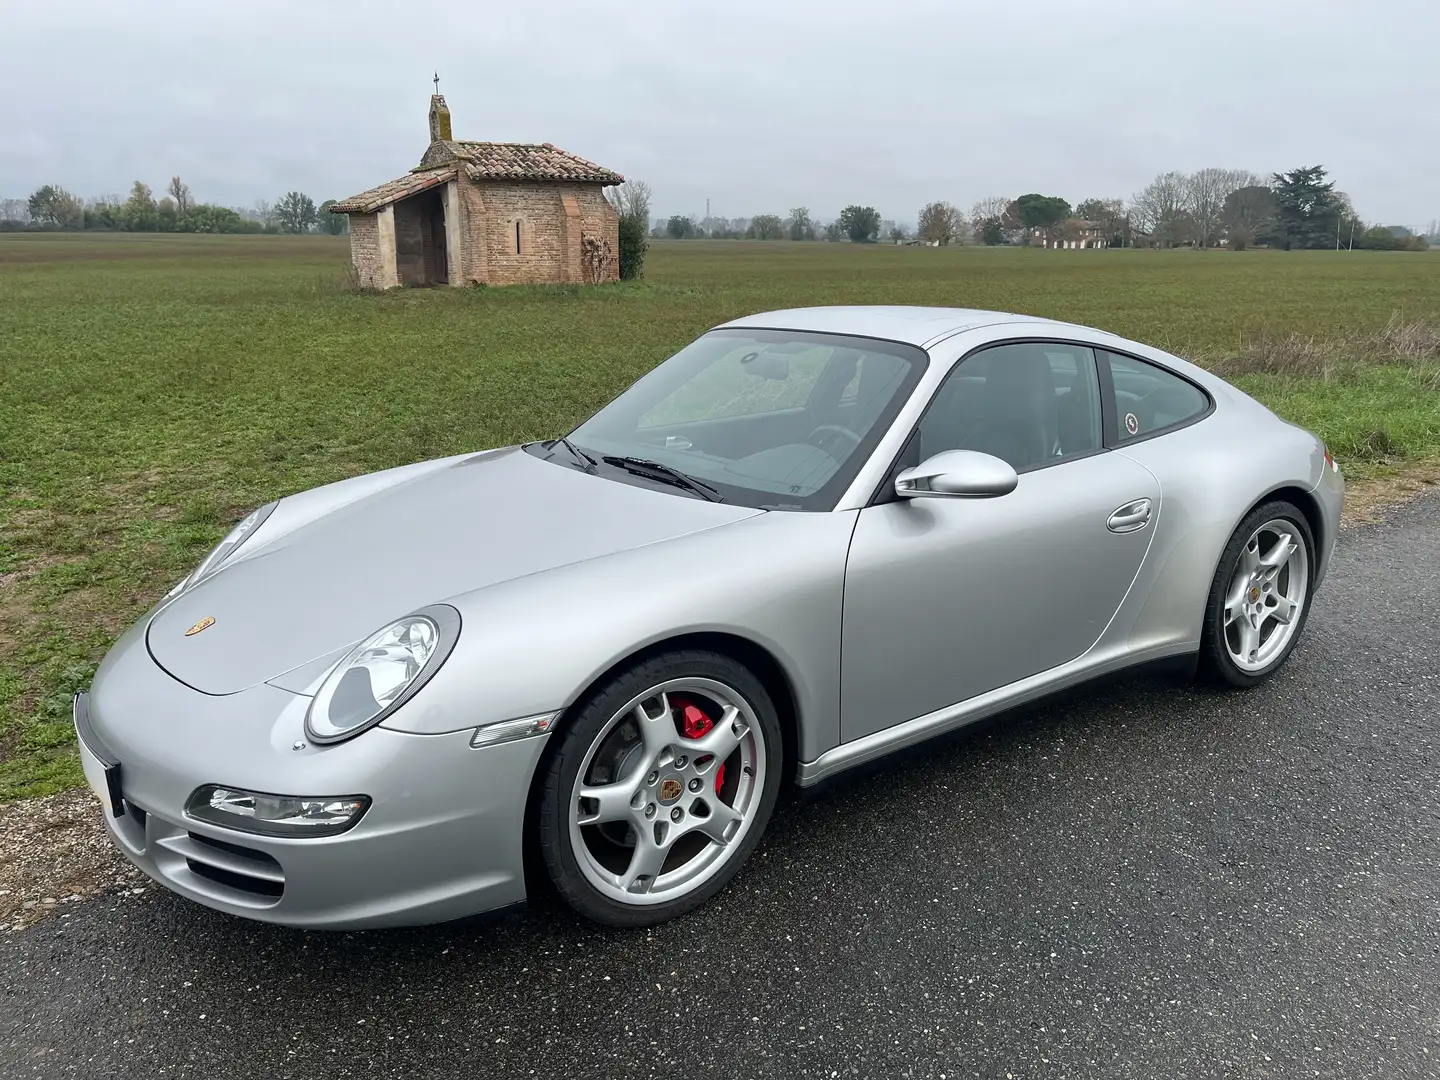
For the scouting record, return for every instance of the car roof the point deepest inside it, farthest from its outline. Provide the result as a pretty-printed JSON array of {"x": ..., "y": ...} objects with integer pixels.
[{"x": 913, "y": 325}]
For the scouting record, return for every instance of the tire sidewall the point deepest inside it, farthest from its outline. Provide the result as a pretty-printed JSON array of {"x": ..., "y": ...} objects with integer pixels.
[
  {"x": 578, "y": 733},
  {"x": 1214, "y": 649}
]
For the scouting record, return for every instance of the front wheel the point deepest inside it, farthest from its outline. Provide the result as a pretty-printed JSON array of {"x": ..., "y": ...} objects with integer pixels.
[
  {"x": 662, "y": 784},
  {"x": 1260, "y": 596}
]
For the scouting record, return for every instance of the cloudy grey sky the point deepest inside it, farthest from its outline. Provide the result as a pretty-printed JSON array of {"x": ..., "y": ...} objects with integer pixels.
[{"x": 759, "y": 105}]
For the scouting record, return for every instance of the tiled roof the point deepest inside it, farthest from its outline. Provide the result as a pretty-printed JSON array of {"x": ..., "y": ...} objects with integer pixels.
[
  {"x": 482, "y": 161},
  {"x": 528, "y": 161},
  {"x": 367, "y": 202}
]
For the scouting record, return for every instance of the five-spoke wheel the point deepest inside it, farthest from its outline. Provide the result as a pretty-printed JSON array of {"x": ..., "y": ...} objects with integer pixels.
[
  {"x": 1260, "y": 595},
  {"x": 661, "y": 787}
]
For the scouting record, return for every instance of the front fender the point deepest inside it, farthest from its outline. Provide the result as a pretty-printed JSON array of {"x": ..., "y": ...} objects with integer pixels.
[{"x": 533, "y": 645}]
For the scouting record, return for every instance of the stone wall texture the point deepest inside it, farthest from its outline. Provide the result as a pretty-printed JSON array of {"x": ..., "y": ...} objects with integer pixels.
[
  {"x": 365, "y": 251},
  {"x": 549, "y": 240}
]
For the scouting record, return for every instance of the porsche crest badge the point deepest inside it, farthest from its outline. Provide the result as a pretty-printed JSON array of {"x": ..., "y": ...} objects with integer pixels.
[
  {"x": 203, "y": 624},
  {"x": 670, "y": 790}
]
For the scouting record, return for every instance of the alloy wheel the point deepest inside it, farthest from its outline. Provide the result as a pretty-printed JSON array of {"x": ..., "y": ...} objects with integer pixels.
[
  {"x": 667, "y": 790},
  {"x": 1267, "y": 595}
]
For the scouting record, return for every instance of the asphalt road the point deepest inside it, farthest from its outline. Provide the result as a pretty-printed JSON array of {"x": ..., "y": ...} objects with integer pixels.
[{"x": 1149, "y": 881}]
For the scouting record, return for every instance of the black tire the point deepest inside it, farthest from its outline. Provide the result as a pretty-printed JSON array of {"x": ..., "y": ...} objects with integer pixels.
[
  {"x": 585, "y": 725},
  {"x": 1216, "y": 663}
]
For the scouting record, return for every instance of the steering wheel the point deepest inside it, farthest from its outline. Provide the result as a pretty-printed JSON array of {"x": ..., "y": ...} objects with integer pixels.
[{"x": 826, "y": 435}]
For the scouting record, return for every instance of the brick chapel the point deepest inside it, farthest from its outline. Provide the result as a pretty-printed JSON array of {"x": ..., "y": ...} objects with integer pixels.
[{"x": 485, "y": 213}]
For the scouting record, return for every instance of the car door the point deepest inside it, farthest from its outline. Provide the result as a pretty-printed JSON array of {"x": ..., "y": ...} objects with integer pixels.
[{"x": 948, "y": 598}]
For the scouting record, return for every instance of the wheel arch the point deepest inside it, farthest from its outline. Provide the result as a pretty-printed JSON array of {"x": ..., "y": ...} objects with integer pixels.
[{"x": 1304, "y": 501}]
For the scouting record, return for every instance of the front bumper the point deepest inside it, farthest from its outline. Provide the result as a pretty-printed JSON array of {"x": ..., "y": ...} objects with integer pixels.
[{"x": 441, "y": 840}]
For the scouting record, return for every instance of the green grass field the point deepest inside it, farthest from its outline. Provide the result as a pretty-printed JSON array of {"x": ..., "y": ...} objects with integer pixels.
[{"x": 154, "y": 388}]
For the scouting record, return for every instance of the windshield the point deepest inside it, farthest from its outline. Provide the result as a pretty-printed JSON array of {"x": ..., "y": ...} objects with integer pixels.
[{"x": 777, "y": 419}]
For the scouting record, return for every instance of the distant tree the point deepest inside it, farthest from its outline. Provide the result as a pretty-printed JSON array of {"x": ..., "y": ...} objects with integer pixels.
[
  {"x": 295, "y": 212},
  {"x": 1043, "y": 212},
  {"x": 166, "y": 216},
  {"x": 939, "y": 223},
  {"x": 1107, "y": 214},
  {"x": 140, "y": 212},
  {"x": 833, "y": 231},
  {"x": 332, "y": 224},
  {"x": 17, "y": 210},
  {"x": 897, "y": 233},
  {"x": 1249, "y": 212},
  {"x": 1307, "y": 210},
  {"x": 679, "y": 227},
  {"x": 180, "y": 192},
  {"x": 984, "y": 209},
  {"x": 1204, "y": 196},
  {"x": 860, "y": 223},
  {"x": 53, "y": 205},
  {"x": 200, "y": 218},
  {"x": 1158, "y": 208},
  {"x": 632, "y": 205},
  {"x": 801, "y": 227},
  {"x": 991, "y": 231},
  {"x": 766, "y": 227}
]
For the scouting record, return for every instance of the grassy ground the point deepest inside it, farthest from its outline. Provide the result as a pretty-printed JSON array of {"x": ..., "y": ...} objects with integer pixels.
[{"x": 154, "y": 388}]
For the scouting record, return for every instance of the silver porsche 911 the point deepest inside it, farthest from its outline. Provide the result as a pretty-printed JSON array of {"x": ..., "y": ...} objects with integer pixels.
[{"x": 808, "y": 539}]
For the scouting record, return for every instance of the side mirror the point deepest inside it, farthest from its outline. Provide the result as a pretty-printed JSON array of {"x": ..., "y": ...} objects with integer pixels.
[{"x": 957, "y": 474}]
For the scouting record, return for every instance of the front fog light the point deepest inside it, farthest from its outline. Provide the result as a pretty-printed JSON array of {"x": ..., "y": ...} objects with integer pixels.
[{"x": 276, "y": 815}]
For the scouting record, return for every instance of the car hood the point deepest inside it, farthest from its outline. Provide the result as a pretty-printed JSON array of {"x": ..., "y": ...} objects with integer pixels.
[{"x": 338, "y": 578}]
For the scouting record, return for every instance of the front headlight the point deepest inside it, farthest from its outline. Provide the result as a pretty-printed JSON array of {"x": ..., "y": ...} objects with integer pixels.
[
  {"x": 227, "y": 547},
  {"x": 276, "y": 815},
  {"x": 382, "y": 673}
]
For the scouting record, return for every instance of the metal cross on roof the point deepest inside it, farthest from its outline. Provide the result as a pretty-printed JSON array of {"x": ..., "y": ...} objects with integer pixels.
[{"x": 437, "y": 82}]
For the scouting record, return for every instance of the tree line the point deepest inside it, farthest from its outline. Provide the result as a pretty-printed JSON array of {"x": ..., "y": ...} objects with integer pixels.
[
  {"x": 1232, "y": 208},
  {"x": 53, "y": 207}
]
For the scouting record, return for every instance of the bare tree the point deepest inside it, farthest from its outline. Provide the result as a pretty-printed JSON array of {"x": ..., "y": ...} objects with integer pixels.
[
  {"x": 987, "y": 209},
  {"x": 939, "y": 223},
  {"x": 180, "y": 192},
  {"x": 1205, "y": 194},
  {"x": 1157, "y": 210},
  {"x": 631, "y": 199},
  {"x": 15, "y": 210}
]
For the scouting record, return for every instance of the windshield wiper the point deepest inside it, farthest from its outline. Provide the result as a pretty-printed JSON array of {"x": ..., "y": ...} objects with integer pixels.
[
  {"x": 667, "y": 474},
  {"x": 586, "y": 461}
]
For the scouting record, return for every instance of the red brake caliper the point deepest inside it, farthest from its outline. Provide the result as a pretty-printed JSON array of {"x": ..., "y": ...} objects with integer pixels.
[{"x": 697, "y": 725}]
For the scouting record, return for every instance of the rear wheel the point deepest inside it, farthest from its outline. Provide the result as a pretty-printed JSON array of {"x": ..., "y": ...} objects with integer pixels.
[
  {"x": 1260, "y": 596},
  {"x": 661, "y": 787}
]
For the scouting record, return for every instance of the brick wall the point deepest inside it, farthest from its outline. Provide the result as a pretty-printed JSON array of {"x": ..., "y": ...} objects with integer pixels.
[
  {"x": 474, "y": 246},
  {"x": 598, "y": 218},
  {"x": 365, "y": 251},
  {"x": 548, "y": 252},
  {"x": 535, "y": 209}
]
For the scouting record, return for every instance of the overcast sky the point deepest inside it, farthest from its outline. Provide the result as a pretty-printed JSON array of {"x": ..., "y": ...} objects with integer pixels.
[{"x": 759, "y": 105}]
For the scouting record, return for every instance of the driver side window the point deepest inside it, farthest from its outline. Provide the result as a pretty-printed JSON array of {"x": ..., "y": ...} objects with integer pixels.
[{"x": 1031, "y": 404}]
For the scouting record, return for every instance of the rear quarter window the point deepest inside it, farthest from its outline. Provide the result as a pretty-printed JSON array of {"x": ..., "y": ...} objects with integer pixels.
[{"x": 1147, "y": 399}]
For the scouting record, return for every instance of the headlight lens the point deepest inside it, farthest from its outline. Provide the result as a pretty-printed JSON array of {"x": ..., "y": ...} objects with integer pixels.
[
  {"x": 233, "y": 539},
  {"x": 381, "y": 673},
  {"x": 276, "y": 815}
]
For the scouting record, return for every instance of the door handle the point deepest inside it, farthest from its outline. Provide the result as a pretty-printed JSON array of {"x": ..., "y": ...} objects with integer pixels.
[{"x": 1130, "y": 517}]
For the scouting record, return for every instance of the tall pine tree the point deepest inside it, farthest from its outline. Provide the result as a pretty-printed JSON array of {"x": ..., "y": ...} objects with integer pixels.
[{"x": 1307, "y": 210}]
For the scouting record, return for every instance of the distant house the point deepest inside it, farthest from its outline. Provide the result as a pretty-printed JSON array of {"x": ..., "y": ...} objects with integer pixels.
[
  {"x": 1072, "y": 233},
  {"x": 485, "y": 213}
]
